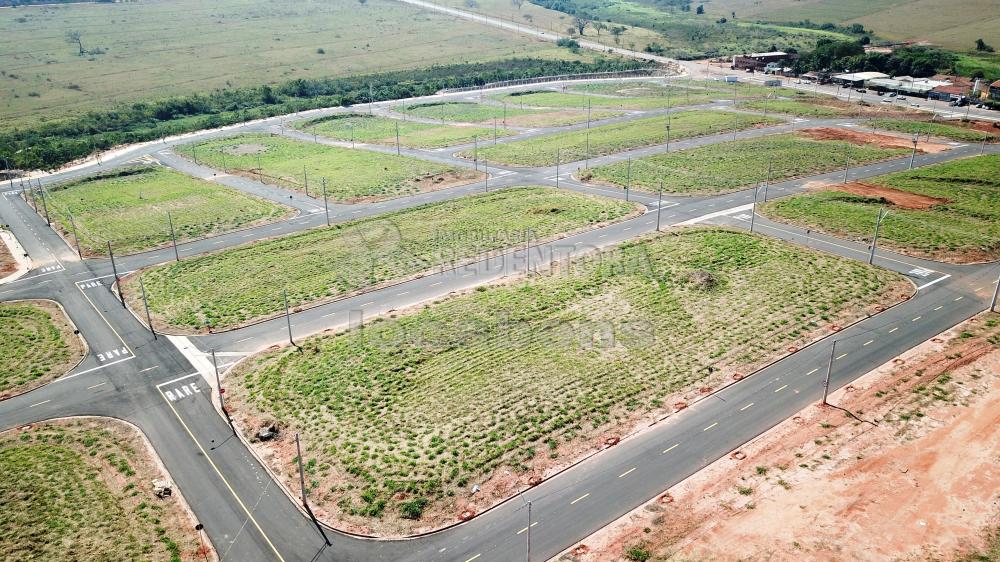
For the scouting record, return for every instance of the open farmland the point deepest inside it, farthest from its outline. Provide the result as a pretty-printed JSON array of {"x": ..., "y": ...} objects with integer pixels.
[
  {"x": 526, "y": 377},
  {"x": 956, "y": 216},
  {"x": 730, "y": 166},
  {"x": 616, "y": 137},
  {"x": 505, "y": 114},
  {"x": 382, "y": 130},
  {"x": 245, "y": 283},
  {"x": 222, "y": 45},
  {"x": 37, "y": 345},
  {"x": 352, "y": 175},
  {"x": 80, "y": 490},
  {"x": 129, "y": 208},
  {"x": 950, "y": 130}
]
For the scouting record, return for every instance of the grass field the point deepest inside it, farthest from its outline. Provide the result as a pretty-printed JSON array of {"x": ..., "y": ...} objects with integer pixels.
[
  {"x": 382, "y": 130},
  {"x": 581, "y": 101},
  {"x": 186, "y": 46},
  {"x": 37, "y": 346},
  {"x": 129, "y": 207},
  {"x": 80, "y": 490},
  {"x": 617, "y": 137},
  {"x": 964, "y": 227},
  {"x": 514, "y": 115},
  {"x": 796, "y": 107},
  {"x": 951, "y": 130},
  {"x": 730, "y": 166},
  {"x": 425, "y": 405},
  {"x": 352, "y": 175},
  {"x": 245, "y": 283}
]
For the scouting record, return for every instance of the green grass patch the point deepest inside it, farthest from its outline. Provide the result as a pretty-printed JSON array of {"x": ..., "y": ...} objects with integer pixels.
[
  {"x": 245, "y": 283},
  {"x": 37, "y": 345},
  {"x": 129, "y": 207},
  {"x": 795, "y": 107},
  {"x": 616, "y": 137},
  {"x": 729, "y": 166},
  {"x": 947, "y": 130},
  {"x": 352, "y": 175},
  {"x": 382, "y": 130},
  {"x": 426, "y": 404},
  {"x": 78, "y": 491},
  {"x": 966, "y": 227},
  {"x": 464, "y": 112}
]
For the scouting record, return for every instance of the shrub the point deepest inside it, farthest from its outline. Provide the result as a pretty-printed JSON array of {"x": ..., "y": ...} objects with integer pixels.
[{"x": 413, "y": 509}]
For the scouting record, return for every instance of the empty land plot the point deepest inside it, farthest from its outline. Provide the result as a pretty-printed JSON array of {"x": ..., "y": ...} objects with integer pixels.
[
  {"x": 505, "y": 114},
  {"x": 352, "y": 175},
  {"x": 37, "y": 346},
  {"x": 962, "y": 224},
  {"x": 382, "y": 130},
  {"x": 730, "y": 166},
  {"x": 80, "y": 490},
  {"x": 242, "y": 284},
  {"x": 568, "y": 100},
  {"x": 950, "y": 130},
  {"x": 683, "y": 91},
  {"x": 525, "y": 377},
  {"x": 129, "y": 208},
  {"x": 616, "y": 137},
  {"x": 8, "y": 264}
]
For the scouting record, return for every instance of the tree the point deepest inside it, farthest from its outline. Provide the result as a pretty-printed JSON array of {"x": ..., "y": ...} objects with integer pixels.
[
  {"x": 982, "y": 47},
  {"x": 616, "y": 32},
  {"x": 580, "y": 23},
  {"x": 598, "y": 26},
  {"x": 700, "y": 9},
  {"x": 76, "y": 37}
]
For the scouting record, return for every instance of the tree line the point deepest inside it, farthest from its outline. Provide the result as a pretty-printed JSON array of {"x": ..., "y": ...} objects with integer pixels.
[
  {"x": 49, "y": 145},
  {"x": 840, "y": 56}
]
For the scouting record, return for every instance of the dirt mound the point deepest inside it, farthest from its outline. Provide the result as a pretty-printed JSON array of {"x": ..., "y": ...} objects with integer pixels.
[
  {"x": 859, "y": 137},
  {"x": 901, "y": 199},
  {"x": 985, "y": 126}
]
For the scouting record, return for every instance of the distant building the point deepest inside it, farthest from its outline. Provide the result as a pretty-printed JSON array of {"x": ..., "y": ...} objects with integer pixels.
[
  {"x": 907, "y": 85},
  {"x": 758, "y": 61},
  {"x": 856, "y": 79},
  {"x": 816, "y": 76},
  {"x": 955, "y": 88},
  {"x": 772, "y": 82}
]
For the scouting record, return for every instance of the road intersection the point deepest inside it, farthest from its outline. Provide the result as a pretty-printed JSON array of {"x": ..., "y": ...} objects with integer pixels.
[{"x": 164, "y": 385}]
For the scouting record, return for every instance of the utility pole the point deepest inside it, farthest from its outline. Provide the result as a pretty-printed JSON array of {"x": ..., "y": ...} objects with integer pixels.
[
  {"x": 736, "y": 124},
  {"x": 847, "y": 167},
  {"x": 494, "y": 130},
  {"x": 305, "y": 179},
  {"x": 76, "y": 234},
  {"x": 667, "y": 148},
  {"x": 753, "y": 208},
  {"x": 586, "y": 161},
  {"x": 628, "y": 177},
  {"x": 397, "y": 138},
  {"x": 588, "y": 112},
  {"x": 371, "y": 98},
  {"x": 118, "y": 281},
  {"x": 302, "y": 484},
  {"x": 218, "y": 385},
  {"x": 326, "y": 205},
  {"x": 557, "y": 167},
  {"x": 288, "y": 316},
  {"x": 982, "y": 149},
  {"x": 882, "y": 213},
  {"x": 145, "y": 304},
  {"x": 829, "y": 370},
  {"x": 45, "y": 204},
  {"x": 173, "y": 237},
  {"x": 194, "y": 152},
  {"x": 260, "y": 170},
  {"x": 475, "y": 151},
  {"x": 767, "y": 181},
  {"x": 913, "y": 154},
  {"x": 486, "y": 170},
  {"x": 659, "y": 205},
  {"x": 527, "y": 555},
  {"x": 996, "y": 293}
]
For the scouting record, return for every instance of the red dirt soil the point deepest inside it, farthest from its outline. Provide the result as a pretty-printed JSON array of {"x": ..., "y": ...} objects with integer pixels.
[
  {"x": 858, "y": 137},
  {"x": 7, "y": 263},
  {"x": 901, "y": 199}
]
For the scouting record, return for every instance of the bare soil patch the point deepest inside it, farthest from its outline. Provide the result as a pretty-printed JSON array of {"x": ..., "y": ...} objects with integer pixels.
[
  {"x": 245, "y": 149},
  {"x": 899, "y": 198},
  {"x": 917, "y": 479},
  {"x": 8, "y": 264},
  {"x": 985, "y": 126},
  {"x": 878, "y": 139}
]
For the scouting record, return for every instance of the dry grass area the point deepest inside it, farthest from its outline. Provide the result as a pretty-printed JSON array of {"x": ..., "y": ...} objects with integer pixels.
[
  {"x": 918, "y": 479},
  {"x": 37, "y": 345},
  {"x": 81, "y": 489},
  {"x": 896, "y": 197}
]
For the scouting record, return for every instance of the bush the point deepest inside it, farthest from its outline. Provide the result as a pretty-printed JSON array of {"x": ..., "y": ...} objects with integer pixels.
[
  {"x": 638, "y": 553},
  {"x": 413, "y": 509}
]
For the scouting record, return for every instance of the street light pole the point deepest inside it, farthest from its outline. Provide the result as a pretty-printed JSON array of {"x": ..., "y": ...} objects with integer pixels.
[
  {"x": 847, "y": 168},
  {"x": 996, "y": 293},
  {"x": 628, "y": 178},
  {"x": 558, "y": 150},
  {"x": 218, "y": 385},
  {"x": 659, "y": 205},
  {"x": 76, "y": 234},
  {"x": 173, "y": 236},
  {"x": 829, "y": 370},
  {"x": 45, "y": 204},
  {"x": 145, "y": 304},
  {"x": 397, "y": 138},
  {"x": 753, "y": 208},
  {"x": 486, "y": 170},
  {"x": 527, "y": 555},
  {"x": 882, "y": 213},
  {"x": 288, "y": 316},
  {"x": 118, "y": 281},
  {"x": 302, "y": 484},
  {"x": 913, "y": 154},
  {"x": 326, "y": 205},
  {"x": 767, "y": 181}
]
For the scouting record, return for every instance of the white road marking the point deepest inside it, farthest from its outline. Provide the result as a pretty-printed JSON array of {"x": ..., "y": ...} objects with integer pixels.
[
  {"x": 579, "y": 498},
  {"x": 747, "y": 406},
  {"x": 97, "y": 385},
  {"x": 711, "y": 426},
  {"x": 670, "y": 448},
  {"x": 626, "y": 473},
  {"x": 40, "y": 403}
]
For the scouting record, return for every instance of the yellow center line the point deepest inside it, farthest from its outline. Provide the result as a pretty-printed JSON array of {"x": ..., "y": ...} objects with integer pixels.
[
  {"x": 939, "y": 308},
  {"x": 670, "y": 448},
  {"x": 711, "y": 426},
  {"x": 579, "y": 498},
  {"x": 841, "y": 356},
  {"x": 747, "y": 406},
  {"x": 525, "y": 529},
  {"x": 626, "y": 473},
  {"x": 780, "y": 388},
  {"x": 869, "y": 342},
  {"x": 893, "y": 330},
  {"x": 959, "y": 298},
  {"x": 813, "y": 371},
  {"x": 917, "y": 318},
  {"x": 474, "y": 557},
  {"x": 97, "y": 385}
]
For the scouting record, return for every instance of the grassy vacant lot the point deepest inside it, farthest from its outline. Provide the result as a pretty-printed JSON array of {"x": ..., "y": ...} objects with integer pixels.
[
  {"x": 466, "y": 112},
  {"x": 245, "y": 283},
  {"x": 129, "y": 207},
  {"x": 352, "y": 175},
  {"x": 231, "y": 43},
  {"x": 733, "y": 165},
  {"x": 80, "y": 490},
  {"x": 964, "y": 227},
  {"x": 951, "y": 130},
  {"x": 37, "y": 346},
  {"x": 382, "y": 130},
  {"x": 422, "y": 406},
  {"x": 796, "y": 107},
  {"x": 617, "y": 137}
]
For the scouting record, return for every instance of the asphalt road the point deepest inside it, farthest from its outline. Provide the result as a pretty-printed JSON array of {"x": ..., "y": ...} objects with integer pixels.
[{"x": 164, "y": 385}]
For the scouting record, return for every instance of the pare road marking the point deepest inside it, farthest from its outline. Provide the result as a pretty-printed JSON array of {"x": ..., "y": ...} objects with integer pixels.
[
  {"x": 113, "y": 354},
  {"x": 182, "y": 391}
]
